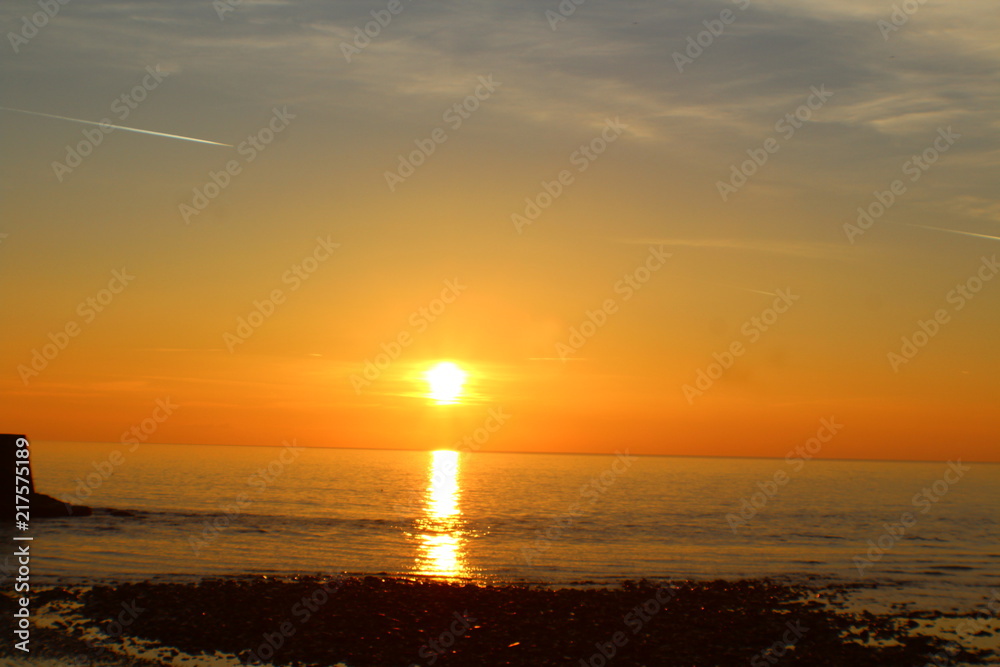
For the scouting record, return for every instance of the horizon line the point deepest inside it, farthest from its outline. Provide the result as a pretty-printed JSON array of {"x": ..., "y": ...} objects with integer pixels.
[{"x": 396, "y": 449}]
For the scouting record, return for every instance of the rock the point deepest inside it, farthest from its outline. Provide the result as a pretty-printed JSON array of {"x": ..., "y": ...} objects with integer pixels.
[
  {"x": 39, "y": 506},
  {"x": 48, "y": 507}
]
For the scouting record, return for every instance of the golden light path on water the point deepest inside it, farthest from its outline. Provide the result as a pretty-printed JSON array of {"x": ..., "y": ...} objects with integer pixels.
[{"x": 440, "y": 552}]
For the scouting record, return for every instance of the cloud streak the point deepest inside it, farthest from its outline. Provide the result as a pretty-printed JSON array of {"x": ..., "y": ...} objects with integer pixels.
[{"x": 814, "y": 250}]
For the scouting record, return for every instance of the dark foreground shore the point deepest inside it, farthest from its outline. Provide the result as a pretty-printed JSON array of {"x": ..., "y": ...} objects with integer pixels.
[{"x": 384, "y": 622}]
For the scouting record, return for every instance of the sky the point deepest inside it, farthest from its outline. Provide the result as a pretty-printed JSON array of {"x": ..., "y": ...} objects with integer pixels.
[{"x": 679, "y": 228}]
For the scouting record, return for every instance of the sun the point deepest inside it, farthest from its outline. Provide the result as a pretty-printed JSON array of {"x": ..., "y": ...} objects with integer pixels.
[{"x": 445, "y": 381}]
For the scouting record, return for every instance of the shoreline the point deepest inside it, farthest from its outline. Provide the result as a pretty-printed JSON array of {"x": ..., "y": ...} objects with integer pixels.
[{"x": 376, "y": 621}]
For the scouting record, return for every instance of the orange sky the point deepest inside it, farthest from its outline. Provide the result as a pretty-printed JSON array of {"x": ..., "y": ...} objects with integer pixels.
[{"x": 634, "y": 233}]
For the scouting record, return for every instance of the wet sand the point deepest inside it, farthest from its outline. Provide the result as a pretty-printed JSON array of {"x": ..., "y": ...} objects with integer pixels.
[{"x": 386, "y": 622}]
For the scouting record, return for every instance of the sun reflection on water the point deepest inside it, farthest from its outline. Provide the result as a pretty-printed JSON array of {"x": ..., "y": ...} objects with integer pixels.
[{"x": 440, "y": 552}]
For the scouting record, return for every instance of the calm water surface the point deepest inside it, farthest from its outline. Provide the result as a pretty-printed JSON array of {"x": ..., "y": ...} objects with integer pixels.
[{"x": 515, "y": 517}]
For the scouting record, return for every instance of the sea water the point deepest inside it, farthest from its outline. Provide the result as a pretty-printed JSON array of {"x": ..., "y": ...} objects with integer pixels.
[{"x": 180, "y": 512}]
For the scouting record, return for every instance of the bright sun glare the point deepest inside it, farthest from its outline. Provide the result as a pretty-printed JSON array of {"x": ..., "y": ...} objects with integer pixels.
[{"x": 445, "y": 380}]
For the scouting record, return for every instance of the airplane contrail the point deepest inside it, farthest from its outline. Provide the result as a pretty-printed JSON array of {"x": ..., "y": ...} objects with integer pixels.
[
  {"x": 746, "y": 289},
  {"x": 117, "y": 127},
  {"x": 955, "y": 231}
]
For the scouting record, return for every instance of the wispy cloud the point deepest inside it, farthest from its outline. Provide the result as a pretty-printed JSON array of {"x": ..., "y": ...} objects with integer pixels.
[{"x": 807, "y": 249}]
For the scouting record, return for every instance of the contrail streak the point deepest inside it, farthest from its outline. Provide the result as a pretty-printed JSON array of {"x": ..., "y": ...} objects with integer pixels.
[
  {"x": 117, "y": 127},
  {"x": 757, "y": 291},
  {"x": 955, "y": 231},
  {"x": 747, "y": 289}
]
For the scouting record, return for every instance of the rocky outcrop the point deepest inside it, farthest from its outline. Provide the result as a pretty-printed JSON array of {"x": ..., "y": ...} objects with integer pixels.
[{"x": 17, "y": 479}]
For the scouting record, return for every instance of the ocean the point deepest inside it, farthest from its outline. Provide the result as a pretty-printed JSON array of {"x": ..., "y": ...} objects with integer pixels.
[{"x": 924, "y": 533}]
